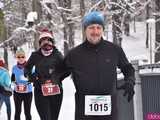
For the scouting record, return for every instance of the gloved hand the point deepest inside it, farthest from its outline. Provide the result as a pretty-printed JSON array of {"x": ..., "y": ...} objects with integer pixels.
[
  {"x": 26, "y": 73},
  {"x": 32, "y": 78},
  {"x": 55, "y": 79},
  {"x": 6, "y": 91},
  {"x": 128, "y": 88}
]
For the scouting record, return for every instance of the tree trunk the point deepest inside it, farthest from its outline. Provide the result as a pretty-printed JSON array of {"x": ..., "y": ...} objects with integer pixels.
[
  {"x": 82, "y": 7},
  {"x": 157, "y": 54},
  {"x": 68, "y": 26},
  {"x": 23, "y": 12},
  {"x": 2, "y": 27},
  {"x": 3, "y": 37},
  {"x": 6, "y": 57},
  {"x": 126, "y": 23},
  {"x": 66, "y": 46},
  {"x": 147, "y": 25},
  {"x": 116, "y": 25},
  {"x": 116, "y": 30},
  {"x": 71, "y": 35},
  {"x": 147, "y": 34},
  {"x": 36, "y": 6},
  {"x": 82, "y": 10}
]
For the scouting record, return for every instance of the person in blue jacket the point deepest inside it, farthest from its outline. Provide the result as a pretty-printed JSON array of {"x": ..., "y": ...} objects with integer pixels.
[
  {"x": 22, "y": 88},
  {"x": 5, "y": 82}
]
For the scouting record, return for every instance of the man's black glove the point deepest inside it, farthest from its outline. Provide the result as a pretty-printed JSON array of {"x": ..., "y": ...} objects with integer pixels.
[{"x": 128, "y": 88}]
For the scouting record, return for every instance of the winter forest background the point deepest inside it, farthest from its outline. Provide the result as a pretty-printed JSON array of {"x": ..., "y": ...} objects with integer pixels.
[
  {"x": 21, "y": 21},
  {"x": 132, "y": 24}
]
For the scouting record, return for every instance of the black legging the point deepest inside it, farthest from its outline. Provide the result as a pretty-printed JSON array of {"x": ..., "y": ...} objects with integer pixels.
[
  {"x": 18, "y": 99},
  {"x": 48, "y": 107}
]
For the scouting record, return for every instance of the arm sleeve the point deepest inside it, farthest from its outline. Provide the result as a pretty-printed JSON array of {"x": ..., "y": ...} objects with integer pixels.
[
  {"x": 61, "y": 70},
  {"x": 13, "y": 78},
  {"x": 7, "y": 79},
  {"x": 29, "y": 65},
  {"x": 68, "y": 64},
  {"x": 126, "y": 67}
]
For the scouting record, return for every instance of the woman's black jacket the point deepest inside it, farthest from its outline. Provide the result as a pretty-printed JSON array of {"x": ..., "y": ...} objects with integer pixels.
[{"x": 46, "y": 67}]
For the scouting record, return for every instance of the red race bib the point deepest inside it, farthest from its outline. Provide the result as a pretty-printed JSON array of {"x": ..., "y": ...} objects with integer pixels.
[
  {"x": 50, "y": 89},
  {"x": 21, "y": 88}
]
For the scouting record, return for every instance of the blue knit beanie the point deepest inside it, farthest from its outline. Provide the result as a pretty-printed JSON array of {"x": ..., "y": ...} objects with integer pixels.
[{"x": 93, "y": 17}]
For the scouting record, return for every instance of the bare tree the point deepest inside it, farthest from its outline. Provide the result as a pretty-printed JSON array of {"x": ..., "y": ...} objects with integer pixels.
[
  {"x": 36, "y": 6},
  {"x": 82, "y": 11},
  {"x": 6, "y": 57},
  {"x": 68, "y": 25},
  {"x": 82, "y": 7},
  {"x": 147, "y": 25},
  {"x": 3, "y": 36},
  {"x": 116, "y": 23},
  {"x": 157, "y": 8}
]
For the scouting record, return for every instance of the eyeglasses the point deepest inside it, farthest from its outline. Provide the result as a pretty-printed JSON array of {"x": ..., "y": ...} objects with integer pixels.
[
  {"x": 20, "y": 57},
  {"x": 46, "y": 40}
]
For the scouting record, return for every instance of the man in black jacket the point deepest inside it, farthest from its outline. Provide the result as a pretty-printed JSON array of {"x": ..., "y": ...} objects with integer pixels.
[{"x": 93, "y": 67}]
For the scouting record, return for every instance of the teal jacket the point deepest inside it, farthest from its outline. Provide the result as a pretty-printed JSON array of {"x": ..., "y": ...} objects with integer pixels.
[{"x": 5, "y": 79}]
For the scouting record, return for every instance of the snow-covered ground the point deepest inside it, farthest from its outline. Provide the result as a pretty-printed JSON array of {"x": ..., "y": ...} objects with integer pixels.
[{"x": 134, "y": 47}]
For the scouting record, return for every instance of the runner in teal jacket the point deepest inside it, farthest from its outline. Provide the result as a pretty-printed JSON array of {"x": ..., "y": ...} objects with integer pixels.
[{"x": 5, "y": 81}]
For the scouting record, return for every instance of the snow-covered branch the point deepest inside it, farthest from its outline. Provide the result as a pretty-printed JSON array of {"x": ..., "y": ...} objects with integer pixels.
[
  {"x": 142, "y": 7},
  {"x": 95, "y": 5},
  {"x": 120, "y": 6},
  {"x": 57, "y": 7},
  {"x": 18, "y": 37}
]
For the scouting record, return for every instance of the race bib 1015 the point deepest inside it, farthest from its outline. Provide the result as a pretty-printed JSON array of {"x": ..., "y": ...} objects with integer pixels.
[{"x": 98, "y": 105}]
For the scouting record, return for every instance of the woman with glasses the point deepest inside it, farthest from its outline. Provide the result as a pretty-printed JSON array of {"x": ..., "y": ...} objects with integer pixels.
[
  {"x": 23, "y": 88},
  {"x": 46, "y": 79}
]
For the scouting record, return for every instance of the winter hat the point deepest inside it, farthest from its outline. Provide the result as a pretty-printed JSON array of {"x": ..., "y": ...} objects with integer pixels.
[
  {"x": 2, "y": 63},
  {"x": 93, "y": 17},
  {"x": 45, "y": 33},
  {"x": 20, "y": 52}
]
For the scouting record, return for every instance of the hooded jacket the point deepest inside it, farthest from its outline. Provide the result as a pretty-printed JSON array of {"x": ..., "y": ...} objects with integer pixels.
[{"x": 5, "y": 79}]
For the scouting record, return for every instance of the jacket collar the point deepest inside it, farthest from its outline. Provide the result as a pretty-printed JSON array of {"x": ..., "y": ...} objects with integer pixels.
[{"x": 21, "y": 66}]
